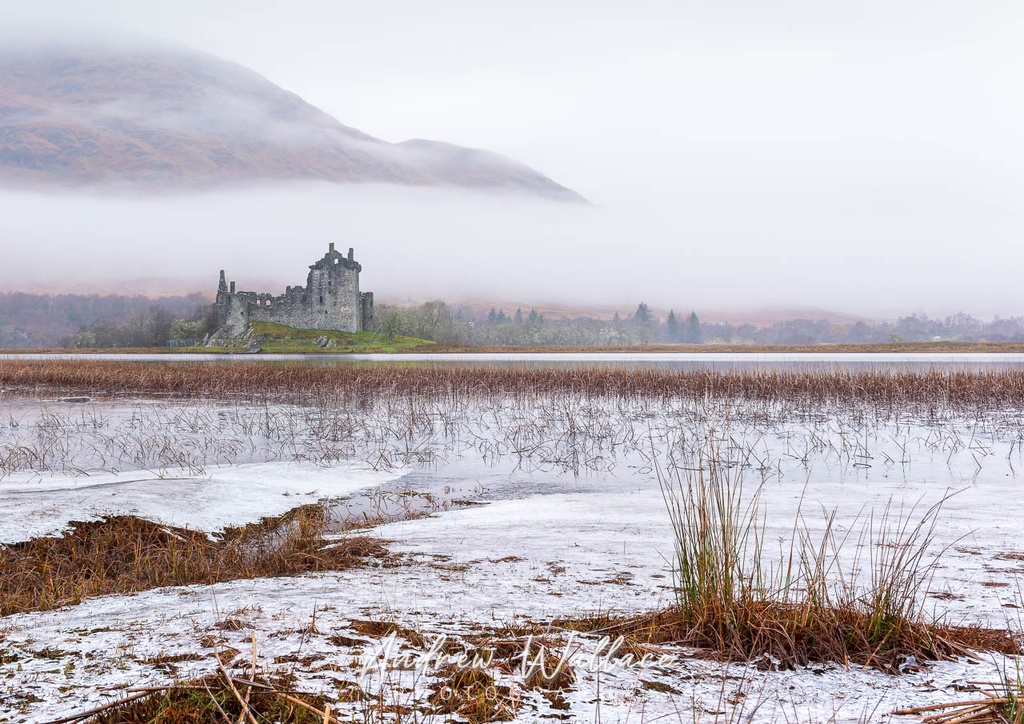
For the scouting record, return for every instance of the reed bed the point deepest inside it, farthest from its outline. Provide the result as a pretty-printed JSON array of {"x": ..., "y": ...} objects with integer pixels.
[
  {"x": 569, "y": 431},
  {"x": 956, "y": 388},
  {"x": 126, "y": 554}
]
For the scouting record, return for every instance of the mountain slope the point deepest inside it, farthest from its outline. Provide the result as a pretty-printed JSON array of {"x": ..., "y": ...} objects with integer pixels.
[{"x": 168, "y": 118}]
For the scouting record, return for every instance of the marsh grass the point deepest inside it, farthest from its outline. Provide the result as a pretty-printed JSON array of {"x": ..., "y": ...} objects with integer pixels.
[
  {"x": 1011, "y": 691},
  {"x": 1013, "y": 708},
  {"x": 963, "y": 389},
  {"x": 1000, "y": 702},
  {"x": 126, "y": 554},
  {"x": 572, "y": 419},
  {"x": 219, "y": 698},
  {"x": 474, "y": 695},
  {"x": 808, "y": 602}
]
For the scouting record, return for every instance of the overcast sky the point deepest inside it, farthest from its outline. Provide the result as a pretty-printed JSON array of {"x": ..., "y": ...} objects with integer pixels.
[{"x": 861, "y": 156}]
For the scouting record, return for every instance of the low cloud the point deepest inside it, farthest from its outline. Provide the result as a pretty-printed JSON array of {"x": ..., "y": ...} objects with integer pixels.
[{"x": 844, "y": 250}]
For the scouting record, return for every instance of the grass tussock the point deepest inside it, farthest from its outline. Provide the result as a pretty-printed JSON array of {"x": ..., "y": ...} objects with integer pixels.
[
  {"x": 891, "y": 388},
  {"x": 125, "y": 554},
  {"x": 219, "y": 698},
  {"x": 474, "y": 695},
  {"x": 824, "y": 597},
  {"x": 785, "y": 636},
  {"x": 556, "y": 676}
]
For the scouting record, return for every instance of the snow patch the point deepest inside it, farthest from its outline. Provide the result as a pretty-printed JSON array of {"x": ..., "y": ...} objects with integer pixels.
[{"x": 32, "y": 506}]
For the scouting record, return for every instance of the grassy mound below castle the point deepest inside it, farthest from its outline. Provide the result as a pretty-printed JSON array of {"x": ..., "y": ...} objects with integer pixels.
[{"x": 274, "y": 338}]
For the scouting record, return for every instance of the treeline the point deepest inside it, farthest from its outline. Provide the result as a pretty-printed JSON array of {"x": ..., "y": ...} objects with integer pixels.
[
  {"x": 91, "y": 320},
  {"x": 72, "y": 320},
  {"x": 441, "y": 322},
  {"x": 959, "y": 327},
  {"x": 153, "y": 326}
]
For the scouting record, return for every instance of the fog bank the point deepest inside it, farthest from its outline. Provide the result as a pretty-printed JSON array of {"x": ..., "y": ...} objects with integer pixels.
[{"x": 789, "y": 244}]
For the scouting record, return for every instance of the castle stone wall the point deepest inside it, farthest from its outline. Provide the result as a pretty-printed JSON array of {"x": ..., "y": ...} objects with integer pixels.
[{"x": 330, "y": 300}]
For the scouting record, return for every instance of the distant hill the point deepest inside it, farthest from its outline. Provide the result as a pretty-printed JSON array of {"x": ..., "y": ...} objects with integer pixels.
[{"x": 84, "y": 116}]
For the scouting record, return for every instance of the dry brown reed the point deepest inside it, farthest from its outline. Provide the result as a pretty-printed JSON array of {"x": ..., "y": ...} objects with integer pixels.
[
  {"x": 737, "y": 598},
  {"x": 474, "y": 695},
  {"x": 779, "y": 635},
  {"x": 955, "y": 388},
  {"x": 993, "y": 702},
  {"x": 126, "y": 554},
  {"x": 218, "y": 698}
]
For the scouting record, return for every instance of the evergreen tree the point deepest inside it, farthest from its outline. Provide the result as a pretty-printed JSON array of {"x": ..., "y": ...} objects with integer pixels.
[
  {"x": 693, "y": 329},
  {"x": 643, "y": 322},
  {"x": 519, "y": 316},
  {"x": 673, "y": 326},
  {"x": 533, "y": 316},
  {"x": 643, "y": 314}
]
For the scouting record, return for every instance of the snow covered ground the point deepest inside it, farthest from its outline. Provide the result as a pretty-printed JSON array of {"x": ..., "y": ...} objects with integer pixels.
[
  {"x": 550, "y": 536},
  {"x": 223, "y": 495}
]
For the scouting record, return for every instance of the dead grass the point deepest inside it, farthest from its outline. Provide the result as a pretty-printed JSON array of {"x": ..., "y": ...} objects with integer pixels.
[
  {"x": 125, "y": 554},
  {"x": 785, "y": 636},
  {"x": 382, "y": 629},
  {"x": 218, "y": 698},
  {"x": 996, "y": 702},
  {"x": 808, "y": 603},
  {"x": 550, "y": 676},
  {"x": 474, "y": 695},
  {"x": 952, "y": 388}
]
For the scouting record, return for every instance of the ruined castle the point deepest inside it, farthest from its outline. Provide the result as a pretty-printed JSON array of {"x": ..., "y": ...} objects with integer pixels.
[{"x": 330, "y": 300}]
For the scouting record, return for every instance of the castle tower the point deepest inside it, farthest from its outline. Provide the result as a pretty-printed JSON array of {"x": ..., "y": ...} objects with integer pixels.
[{"x": 332, "y": 292}]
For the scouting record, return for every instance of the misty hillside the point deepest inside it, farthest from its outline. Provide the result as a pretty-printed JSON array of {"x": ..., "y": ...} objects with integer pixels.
[{"x": 172, "y": 118}]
